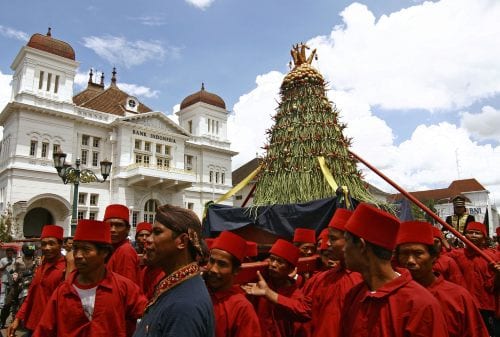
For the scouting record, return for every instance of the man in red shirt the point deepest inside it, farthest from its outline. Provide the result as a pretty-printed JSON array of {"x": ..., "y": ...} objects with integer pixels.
[
  {"x": 93, "y": 301},
  {"x": 417, "y": 253},
  {"x": 478, "y": 277},
  {"x": 234, "y": 314},
  {"x": 142, "y": 231},
  {"x": 281, "y": 306},
  {"x": 124, "y": 260},
  {"x": 444, "y": 264},
  {"x": 305, "y": 240},
  {"x": 331, "y": 286},
  {"x": 47, "y": 278},
  {"x": 387, "y": 303}
]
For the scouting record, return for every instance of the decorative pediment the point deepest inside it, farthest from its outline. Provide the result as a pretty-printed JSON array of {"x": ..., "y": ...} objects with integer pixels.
[{"x": 157, "y": 121}]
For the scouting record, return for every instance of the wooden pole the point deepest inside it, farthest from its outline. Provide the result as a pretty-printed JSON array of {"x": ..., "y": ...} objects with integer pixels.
[
  {"x": 426, "y": 209},
  {"x": 249, "y": 195}
]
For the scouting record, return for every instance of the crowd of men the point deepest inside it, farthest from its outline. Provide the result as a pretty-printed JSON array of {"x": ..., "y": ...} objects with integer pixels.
[{"x": 377, "y": 277}]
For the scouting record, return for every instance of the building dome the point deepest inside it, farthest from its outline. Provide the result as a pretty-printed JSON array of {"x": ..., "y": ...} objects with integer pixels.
[
  {"x": 51, "y": 45},
  {"x": 205, "y": 97}
]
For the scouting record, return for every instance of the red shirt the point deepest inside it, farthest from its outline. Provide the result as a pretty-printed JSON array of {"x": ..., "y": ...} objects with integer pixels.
[
  {"x": 399, "y": 308},
  {"x": 125, "y": 261},
  {"x": 150, "y": 277},
  {"x": 478, "y": 278},
  {"x": 118, "y": 302},
  {"x": 460, "y": 312},
  {"x": 47, "y": 278},
  {"x": 283, "y": 318},
  {"x": 328, "y": 300},
  {"x": 448, "y": 268},
  {"x": 234, "y": 314}
]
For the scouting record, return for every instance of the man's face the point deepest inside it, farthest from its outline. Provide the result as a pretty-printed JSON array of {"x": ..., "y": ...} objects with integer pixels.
[
  {"x": 438, "y": 244},
  {"x": 352, "y": 254},
  {"x": 119, "y": 230},
  {"x": 459, "y": 210},
  {"x": 416, "y": 258},
  {"x": 87, "y": 257},
  {"x": 279, "y": 268},
  {"x": 161, "y": 245},
  {"x": 307, "y": 249},
  {"x": 51, "y": 249},
  {"x": 475, "y": 236},
  {"x": 220, "y": 273},
  {"x": 68, "y": 245},
  {"x": 141, "y": 237},
  {"x": 336, "y": 242}
]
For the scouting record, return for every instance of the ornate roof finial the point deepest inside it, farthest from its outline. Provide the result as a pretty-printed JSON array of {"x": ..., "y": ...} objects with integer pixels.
[
  {"x": 299, "y": 54},
  {"x": 90, "y": 76},
  {"x": 202, "y": 86},
  {"x": 113, "y": 78},
  {"x": 49, "y": 32},
  {"x": 102, "y": 79}
]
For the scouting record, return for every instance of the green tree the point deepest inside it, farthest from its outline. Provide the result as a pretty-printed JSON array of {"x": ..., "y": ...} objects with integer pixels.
[{"x": 306, "y": 126}]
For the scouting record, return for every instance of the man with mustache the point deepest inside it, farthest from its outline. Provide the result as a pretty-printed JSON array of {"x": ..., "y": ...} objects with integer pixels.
[
  {"x": 47, "y": 278},
  {"x": 93, "y": 301},
  {"x": 181, "y": 305},
  {"x": 234, "y": 314}
]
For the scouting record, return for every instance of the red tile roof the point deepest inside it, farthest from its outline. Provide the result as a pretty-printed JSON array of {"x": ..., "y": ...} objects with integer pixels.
[{"x": 445, "y": 194}]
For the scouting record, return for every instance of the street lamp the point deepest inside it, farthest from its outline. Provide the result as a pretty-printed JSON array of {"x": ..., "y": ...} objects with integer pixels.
[{"x": 74, "y": 175}]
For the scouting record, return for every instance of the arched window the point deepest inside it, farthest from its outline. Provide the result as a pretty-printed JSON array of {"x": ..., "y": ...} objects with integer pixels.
[{"x": 149, "y": 210}]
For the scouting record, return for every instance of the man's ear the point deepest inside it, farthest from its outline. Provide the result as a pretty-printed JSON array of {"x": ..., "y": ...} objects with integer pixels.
[
  {"x": 362, "y": 245},
  {"x": 182, "y": 241}
]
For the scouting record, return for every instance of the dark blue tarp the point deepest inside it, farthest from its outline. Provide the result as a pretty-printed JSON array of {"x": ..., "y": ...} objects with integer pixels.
[{"x": 280, "y": 220}]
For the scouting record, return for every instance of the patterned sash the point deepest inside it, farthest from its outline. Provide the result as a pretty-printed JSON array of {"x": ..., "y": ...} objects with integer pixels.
[{"x": 172, "y": 280}]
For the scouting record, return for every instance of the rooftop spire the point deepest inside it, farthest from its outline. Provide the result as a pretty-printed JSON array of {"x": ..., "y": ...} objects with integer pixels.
[
  {"x": 49, "y": 32},
  {"x": 202, "y": 86},
  {"x": 113, "y": 78},
  {"x": 102, "y": 79},
  {"x": 90, "y": 76}
]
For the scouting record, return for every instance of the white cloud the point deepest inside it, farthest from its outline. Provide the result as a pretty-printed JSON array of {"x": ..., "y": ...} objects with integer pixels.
[
  {"x": 201, "y": 4},
  {"x": 118, "y": 50},
  {"x": 138, "y": 90},
  {"x": 431, "y": 56},
  {"x": 12, "y": 33},
  {"x": 152, "y": 21},
  {"x": 484, "y": 125},
  {"x": 252, "y": 116},
  {"x": 436, "y": 55}
]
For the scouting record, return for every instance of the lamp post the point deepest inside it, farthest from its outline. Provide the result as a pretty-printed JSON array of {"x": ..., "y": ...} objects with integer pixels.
[{"x": 75, "y": 175}]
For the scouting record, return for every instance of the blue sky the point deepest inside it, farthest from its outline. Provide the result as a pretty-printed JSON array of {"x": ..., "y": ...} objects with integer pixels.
[{"x": 417, "y": 82}]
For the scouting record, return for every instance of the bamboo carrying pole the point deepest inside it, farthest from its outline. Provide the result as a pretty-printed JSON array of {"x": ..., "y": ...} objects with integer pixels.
[{"x": 426, "y": 210}]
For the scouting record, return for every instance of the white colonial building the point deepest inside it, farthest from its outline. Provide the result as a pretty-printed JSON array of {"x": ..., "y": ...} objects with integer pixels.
[{"x": 155, "y": 160}]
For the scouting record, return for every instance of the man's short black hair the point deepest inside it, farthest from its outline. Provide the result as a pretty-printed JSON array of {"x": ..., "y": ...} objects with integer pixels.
[{"x": 380, "y": 252}]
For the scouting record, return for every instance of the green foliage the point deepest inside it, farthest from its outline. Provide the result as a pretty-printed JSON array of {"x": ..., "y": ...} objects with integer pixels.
[
  {"x": 5, "y": 230},
  {"x": 306, "y": 126},
  {"x": 419, "y": 214}
]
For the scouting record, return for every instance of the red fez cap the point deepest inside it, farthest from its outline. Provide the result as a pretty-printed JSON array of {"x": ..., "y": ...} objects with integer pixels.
[
  {"x": 286, "y": 250},
  {"x": 52, "y": 231},
  {"x": 415, "y": 232},
  {"x": 231, "y": 243},
  {"x": 340, "y": 218},
  {"x": 144, "y": 226},
  {"x": 436, "y": 232},
  {"x": 93, "y": 231},
  {"x": 324, "y": 239},
  {"x": 252, "y": 250},
  {"x": 498, "y": 231},
  {"x": 374, "y": 225},
  {"x": 209, "y": 242},
  {"x": 304, "y": 235},
  {"x": 476, "y": 226},
  {"x": 117, "y": 211}
]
